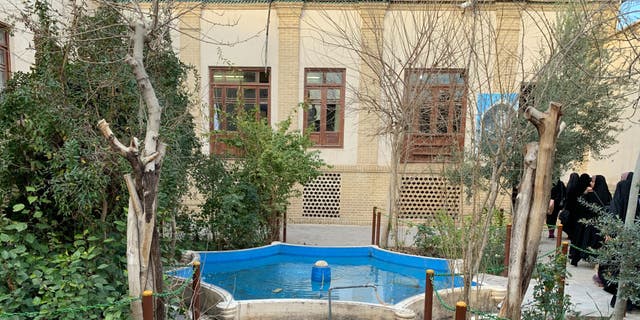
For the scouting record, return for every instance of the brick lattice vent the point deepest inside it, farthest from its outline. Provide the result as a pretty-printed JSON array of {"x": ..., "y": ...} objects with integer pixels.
[
  {"x": 423, "y": 196},
  {"x": 321, "y": 197}
]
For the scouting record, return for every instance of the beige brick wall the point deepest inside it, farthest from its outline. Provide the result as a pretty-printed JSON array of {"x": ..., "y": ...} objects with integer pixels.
[
  {"x": 289, "y": 59},
  {"x": 362, "y": 188},
  {"x": 508, "y": 17},
  {"x": 371, "y": 33},
  {"x": 365, "y": 184},
  {"x": 190, "y": 54}
]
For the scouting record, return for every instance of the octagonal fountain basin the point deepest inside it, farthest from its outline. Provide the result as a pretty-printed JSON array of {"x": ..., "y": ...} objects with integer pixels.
[{"x": 364, "y": 275}]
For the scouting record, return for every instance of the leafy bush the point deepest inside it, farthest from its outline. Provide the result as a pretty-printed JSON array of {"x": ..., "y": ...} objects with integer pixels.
[
  {"x": 42, "y": 273},
  {"x": 549, "y": 303},
  {"x": 444, "y": 238}
]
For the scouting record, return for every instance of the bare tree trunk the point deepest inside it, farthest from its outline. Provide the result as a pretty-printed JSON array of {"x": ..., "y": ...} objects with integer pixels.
[
  {"x": 144, "y": 265},
  {"x": 133, "y": 262},
  {"x": 519, "y": 226},
  {"x": 391, "y": 230},
  {"x": 524, "y": 254}
]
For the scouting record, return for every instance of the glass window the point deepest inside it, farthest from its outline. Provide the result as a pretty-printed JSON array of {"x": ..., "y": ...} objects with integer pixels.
[
  {"x": 440, "y": 98},
  {"x": 325, "y": 91},
  {"x": 334, "y": 77},
  {"x": 237, "y": 89},
  {"x": 314, "y": 77}
]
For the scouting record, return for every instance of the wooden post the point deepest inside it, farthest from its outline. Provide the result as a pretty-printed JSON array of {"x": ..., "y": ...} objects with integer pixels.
[
  {"x": 147, "y": 305},
  {"x": 195, "y": 285},
  {"x": 428, "y": 296},
  {"x": 284, "y": 227},
  {"x": 507, "y": 249},
  {"x": 565, "y": 250},
  {"x": 378, "y": 228},
  {"x": 461, "y": 310},
  {"x": 559, "y": 235},
  {"x": 373, "y": 227}
]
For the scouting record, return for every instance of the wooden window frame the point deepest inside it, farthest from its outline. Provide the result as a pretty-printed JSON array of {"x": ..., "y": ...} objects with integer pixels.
[
  {"x": 218, "y": 123},
  {"x": 436, "y": 145},
  {"x": 323, "y": 138},
  {"x": 5, "y": 50}
]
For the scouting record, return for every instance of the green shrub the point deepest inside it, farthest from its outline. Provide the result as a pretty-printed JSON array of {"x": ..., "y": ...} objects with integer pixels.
[
  {"x": 43, "y": 274},
  {"x": 443, "y": 238}
]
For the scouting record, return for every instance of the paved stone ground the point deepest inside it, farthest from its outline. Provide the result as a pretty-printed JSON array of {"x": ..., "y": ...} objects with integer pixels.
[{"x": 587, "y": 297}]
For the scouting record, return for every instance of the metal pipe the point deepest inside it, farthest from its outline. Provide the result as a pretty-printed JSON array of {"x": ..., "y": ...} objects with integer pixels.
[{"x": 348, "y": 287}]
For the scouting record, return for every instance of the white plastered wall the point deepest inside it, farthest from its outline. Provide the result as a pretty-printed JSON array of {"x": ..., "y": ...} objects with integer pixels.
[
  {"x": 237, "y": 38},
  {"x": 317, "y": 50}
]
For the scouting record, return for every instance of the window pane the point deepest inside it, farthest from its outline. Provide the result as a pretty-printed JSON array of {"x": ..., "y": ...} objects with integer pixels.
[
  {"x": 216, "y": 117},
  {"x": 232, "y": 93},
  {"x": 314, "y": 77},
  {"x": 264, "y": 77},
  {"x": 457, "y": 96},
  {"x": 333, "y": 94},
  {"x": 3, "y": 54},
  {"x": 249, "y": 76},
  {"x": 459, "y": 78},
  {"x": 264, "y": 93},
  {"x": 443, "y": 118},
  {"x": 249, "y": 93},
  {"x": 264, "y": 111},
  {"x": 334, "y": 77},
  {"x": 315, "y": 94},
  {"x": 443, "y": 96},
  {"x": 249, "y": 108},
  {"x": 443, "y": 78},
  {"x": 457, "y": 117},
  {"x": 313, "y": 117},
  {"x": 231, "y": 117},
  {"x": 3, "y": 37},
  {"x": 227, "y": 76},
  {"x": 425, "y": 119},
  {"x": 217, "y": 94},
  {"x": 333, "y": 118},
  {"x": 413, "y": 78}
]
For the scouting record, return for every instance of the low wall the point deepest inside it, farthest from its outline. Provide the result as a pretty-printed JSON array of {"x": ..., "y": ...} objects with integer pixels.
[{"x": 483, "y": 299}]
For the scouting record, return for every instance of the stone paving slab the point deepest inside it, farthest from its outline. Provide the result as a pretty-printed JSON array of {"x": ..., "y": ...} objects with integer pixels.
[{"x": 588, "y": 299}]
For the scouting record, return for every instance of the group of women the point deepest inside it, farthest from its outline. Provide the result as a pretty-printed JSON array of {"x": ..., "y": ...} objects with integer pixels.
[{"x": 584, "y": 198}]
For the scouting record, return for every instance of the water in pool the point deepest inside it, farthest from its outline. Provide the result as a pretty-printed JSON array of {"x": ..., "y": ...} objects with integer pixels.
[{"x": 289, "y": 276}]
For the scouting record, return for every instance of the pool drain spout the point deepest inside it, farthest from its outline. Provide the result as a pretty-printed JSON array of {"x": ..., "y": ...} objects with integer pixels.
[{"x": 349, "y": 287}]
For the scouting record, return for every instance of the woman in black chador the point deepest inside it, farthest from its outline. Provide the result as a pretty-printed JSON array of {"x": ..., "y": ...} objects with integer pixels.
[
  {"x": 558, "y": 194},
  {"x": 597, "y": 200},
  {"x": 581, "y": 211},
  {"x": 618, "y": 208},
  {"x": 570, "y": 203}
]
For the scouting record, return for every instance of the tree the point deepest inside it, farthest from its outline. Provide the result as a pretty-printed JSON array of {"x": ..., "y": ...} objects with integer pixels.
[
  {"x": 78, "y": 77},
  {"x": 392, "y": 45},
  {"x": 274, "y": 161},
  {"x": 577, "y": 70}
]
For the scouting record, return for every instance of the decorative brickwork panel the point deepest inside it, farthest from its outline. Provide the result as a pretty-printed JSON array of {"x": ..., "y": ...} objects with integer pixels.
[
  {"x": 321, "y": 197},
  {"x": 423, "y": 196}
]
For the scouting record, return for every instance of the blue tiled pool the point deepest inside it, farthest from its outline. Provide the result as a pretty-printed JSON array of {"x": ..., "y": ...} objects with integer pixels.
[{"x": 283, "y": 271}]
